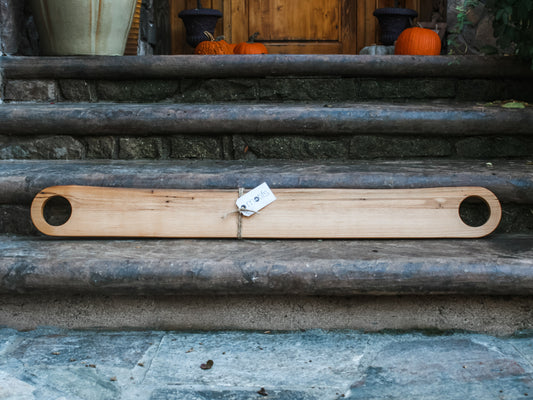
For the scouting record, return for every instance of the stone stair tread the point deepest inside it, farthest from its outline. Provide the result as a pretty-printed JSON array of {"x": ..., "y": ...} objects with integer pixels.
[
  {"x": 498, "y": 265},
  {"x": 510, "y": 180},
  {"x": 316, "y": 118}
]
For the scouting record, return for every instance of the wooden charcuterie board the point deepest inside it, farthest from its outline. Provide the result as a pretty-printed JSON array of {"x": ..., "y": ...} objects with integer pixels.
[{"x": 297, "y": 213}]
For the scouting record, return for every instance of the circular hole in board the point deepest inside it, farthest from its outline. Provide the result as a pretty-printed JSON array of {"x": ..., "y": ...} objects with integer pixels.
[
  {"x": 474, "y": 211},
  {"x": 57, "y": 211}
]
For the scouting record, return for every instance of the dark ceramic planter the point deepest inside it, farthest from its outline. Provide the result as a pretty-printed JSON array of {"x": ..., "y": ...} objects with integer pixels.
[
  {"x": 198, "y": 21},
  {"x": 392, "y": 22}
]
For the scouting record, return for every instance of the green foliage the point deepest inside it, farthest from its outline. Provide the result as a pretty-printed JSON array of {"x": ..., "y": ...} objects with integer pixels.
[
  {"x": 513, "y": 25},
  {"x": 462, "y": 21}
]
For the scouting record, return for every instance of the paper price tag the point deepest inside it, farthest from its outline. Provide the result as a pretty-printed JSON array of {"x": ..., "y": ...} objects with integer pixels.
[{"x": 255, "y": 200}]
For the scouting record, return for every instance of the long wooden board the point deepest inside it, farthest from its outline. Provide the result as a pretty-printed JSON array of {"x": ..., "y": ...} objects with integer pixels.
[{"x": 297, "y": 213}]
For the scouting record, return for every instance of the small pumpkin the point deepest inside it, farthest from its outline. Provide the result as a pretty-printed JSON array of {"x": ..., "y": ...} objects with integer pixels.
[
  {"x": 418, "y": 42},
  {"x": 251, "y": 46},
  {"x": 213, "y": 46}
]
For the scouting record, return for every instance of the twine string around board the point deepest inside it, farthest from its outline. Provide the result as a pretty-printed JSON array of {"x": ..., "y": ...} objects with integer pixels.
[{"x": 241, "y": 212}]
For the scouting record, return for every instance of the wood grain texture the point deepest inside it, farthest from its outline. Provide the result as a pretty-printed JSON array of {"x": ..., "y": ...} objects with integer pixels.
[
  {"x": 298, "y": 213},
  {"x": 111, "y": 212}
]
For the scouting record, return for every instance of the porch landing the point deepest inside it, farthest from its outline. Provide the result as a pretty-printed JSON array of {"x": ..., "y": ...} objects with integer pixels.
[{"x": 52, "y": 364}]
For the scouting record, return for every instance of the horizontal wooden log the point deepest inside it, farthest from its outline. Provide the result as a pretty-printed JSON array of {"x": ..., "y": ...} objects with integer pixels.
[
  {"x": 312, "y": 119},
  {"x": 511, "y": 181},
  {"x": 500, "y": 265},
  {"x": 157, "y": 67}
]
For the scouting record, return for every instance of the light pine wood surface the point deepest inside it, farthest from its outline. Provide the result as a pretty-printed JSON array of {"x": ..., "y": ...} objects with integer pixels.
[{"x": 297, "y": 213}]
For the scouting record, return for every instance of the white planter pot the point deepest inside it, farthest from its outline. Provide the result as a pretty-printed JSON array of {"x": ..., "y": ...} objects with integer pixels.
[{"x": 83, "y": 27}]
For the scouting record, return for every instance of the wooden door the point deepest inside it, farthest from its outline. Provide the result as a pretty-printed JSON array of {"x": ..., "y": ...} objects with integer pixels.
[
  {"x": 295, "y": 27},
  {"x": 290, "y": 26}
]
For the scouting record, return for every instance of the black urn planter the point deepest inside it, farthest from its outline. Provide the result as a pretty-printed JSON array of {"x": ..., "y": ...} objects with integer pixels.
[
  {"x": 197, "y": 21},
  {"x": 393, "y": 21}
]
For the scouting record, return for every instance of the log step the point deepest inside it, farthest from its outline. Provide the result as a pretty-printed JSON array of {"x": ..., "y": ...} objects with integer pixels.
[
  {"x": 164, "y": 67},
  {"x": 500, "y": 265},
  {"x": 510, "y": 180},
  {"x": 458, "y": 119}
]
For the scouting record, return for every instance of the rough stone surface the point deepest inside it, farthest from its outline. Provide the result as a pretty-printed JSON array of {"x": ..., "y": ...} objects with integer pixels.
[
  {"x": 15, "y": 219},
  {"x": 494, "y": 90},
  {"x": 368, "y": 147},
  {"x": 251, "y": 147},
  {"x": 77, "y": 90},
  {"x": 196, "y": 147},
  {"x": 334, "y": 89},
  {"x": 47, "y": 364},
  {"x": 491, "y": 147},
  {"x": 101, "y": 147},
  {"x": 141, "y": 91},
  {"x": 30, "y": 90},
  {"x": 141, "y": 148},
  {"x": 41, "y": 147},
  {"x": 209, "y": 90},
  {"x": 290, "y": 147},
  {"x": 494, "y": 315},
  {"x": 406, "y": 89}
]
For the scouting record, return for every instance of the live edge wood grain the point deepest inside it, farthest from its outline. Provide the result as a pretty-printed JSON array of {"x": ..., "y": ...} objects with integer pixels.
[{"x": 297, "y": 213}]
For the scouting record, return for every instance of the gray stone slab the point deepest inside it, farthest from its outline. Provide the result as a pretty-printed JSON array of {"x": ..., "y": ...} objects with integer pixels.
[
  {"x": 445, "y": 368},
  {"x": 52, "y": 364}
]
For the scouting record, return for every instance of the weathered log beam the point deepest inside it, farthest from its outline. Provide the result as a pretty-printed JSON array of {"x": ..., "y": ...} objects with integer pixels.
[
  {"x": 11, "y": 12},
  {"x": 500, "y": 265},
  {"x": 333, "y": 119},
  {"x": 511, "y": 181},
  {"x": 190, "y": 66}
]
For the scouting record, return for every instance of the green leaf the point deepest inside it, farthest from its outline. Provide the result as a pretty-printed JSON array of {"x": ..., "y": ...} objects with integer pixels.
[{"x": 514, "y": 104}]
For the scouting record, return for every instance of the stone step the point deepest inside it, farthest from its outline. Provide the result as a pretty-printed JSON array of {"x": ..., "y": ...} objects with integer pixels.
[
  {"x": 511, "y": 181},
  {"x": 267, "y": 78},
  {"x": 341, "y": 131},
  {"x": 499, "y": 265}
]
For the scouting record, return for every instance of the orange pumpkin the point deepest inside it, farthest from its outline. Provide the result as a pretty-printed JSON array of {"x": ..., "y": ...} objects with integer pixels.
[
  {"x": 251, "y": 46},
  {"x": 213, "y": 46},
  {"x": 418, "y": 42}
]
